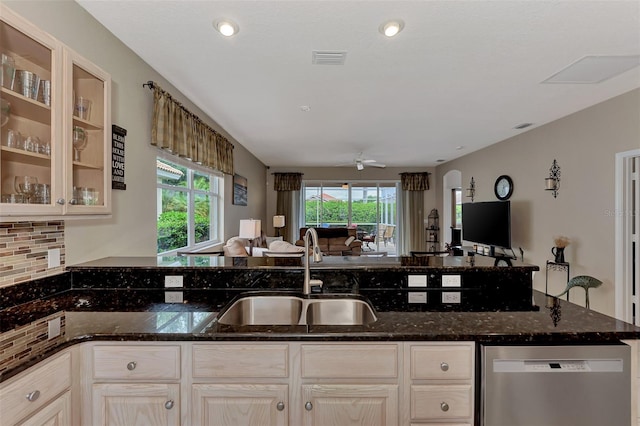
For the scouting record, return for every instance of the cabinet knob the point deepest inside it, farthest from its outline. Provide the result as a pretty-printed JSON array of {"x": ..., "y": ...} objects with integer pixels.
[
  {"x": 280, "y": 406},
  {"x": 444, "y": 406},
  {"x": 60, "y": 201},
  {"x": 169, "y": 404},
  {"x": 444, "y": 366},
  {"x": 132, "y": 365},
  {"x": 32, "y": 396},
  {"x": 308, "y": 406}
]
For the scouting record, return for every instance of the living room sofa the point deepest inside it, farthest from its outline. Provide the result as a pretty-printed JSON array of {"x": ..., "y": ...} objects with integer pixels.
[{"x": 335, "y": 241}]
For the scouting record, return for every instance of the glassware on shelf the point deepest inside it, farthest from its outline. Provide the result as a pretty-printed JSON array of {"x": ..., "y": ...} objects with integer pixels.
[
  {"x": 14, "y": 139},
  {"x": 82, "y": 108},
  {"x": 25, "y": 185},
  {"x": 27, "y": 84},
  {"x": 8, "y": 71},
  {"x": 5, "y": 112},
  {"x": 79, "y": 141}
]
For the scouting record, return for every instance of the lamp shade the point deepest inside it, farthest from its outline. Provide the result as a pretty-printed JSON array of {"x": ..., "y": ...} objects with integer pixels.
[
  {"x": 278, "y": 221},
  {"x": 249, "y": 228}
]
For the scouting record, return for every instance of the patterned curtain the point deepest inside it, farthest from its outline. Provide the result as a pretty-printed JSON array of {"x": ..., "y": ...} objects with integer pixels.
[
  {"x": 415, "y": 181},
  {"x": 287, "y": 181},
  {"x": 182, "y": 133},
  {"x": 288, "y": 201}
]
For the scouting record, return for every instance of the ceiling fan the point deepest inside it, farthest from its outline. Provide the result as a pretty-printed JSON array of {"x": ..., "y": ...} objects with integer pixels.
[{"x": 360, "y": 162}]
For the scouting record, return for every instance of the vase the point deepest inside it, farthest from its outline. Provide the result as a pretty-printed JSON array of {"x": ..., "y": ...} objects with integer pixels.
[{"x": 558, "y": 252}]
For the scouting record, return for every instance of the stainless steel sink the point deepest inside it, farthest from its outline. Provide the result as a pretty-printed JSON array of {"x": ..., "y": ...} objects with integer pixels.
[
  {"x": 266, "y": 309},
  {"x": 339, "y": 312},
  {"x": 263, "y": 310}
]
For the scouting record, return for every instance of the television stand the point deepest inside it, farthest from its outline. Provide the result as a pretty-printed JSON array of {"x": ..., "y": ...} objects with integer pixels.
[{"x": 491, "y": 251}]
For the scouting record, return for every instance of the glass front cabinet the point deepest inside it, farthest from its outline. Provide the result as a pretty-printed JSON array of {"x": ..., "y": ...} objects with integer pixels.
[{"x": 55, "y": 120}]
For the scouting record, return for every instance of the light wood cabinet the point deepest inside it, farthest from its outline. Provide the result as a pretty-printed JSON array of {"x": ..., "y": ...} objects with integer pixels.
[
  {"x": 39, "y": 396},
  {"x": 439, "y": 383},
  {"x": 125, "y": 404},
  {"x": 133, "y": 384},
  {"x": 36, "y": 136},
  {"x": 240, "y": 404}
]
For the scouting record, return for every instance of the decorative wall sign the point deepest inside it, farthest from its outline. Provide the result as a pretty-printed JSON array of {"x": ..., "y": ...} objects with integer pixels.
[
  {"x": 239, "y": 190},
  {"x": 117, "y": 157}
]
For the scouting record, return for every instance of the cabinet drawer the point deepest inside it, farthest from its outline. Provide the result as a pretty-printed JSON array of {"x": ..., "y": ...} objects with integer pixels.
[
  {"x": 441, "y": 362},
  {"x": 223, "y": 360},
  {"x": 43, "y": 383},
  {"x": 136, "y": 362},
  {"x": 349, "y": 361},
  {"x": 441, "y": 402}
]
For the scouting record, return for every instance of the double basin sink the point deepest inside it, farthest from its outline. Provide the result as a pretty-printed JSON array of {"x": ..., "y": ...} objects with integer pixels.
[{"x": 297, "y": 309}]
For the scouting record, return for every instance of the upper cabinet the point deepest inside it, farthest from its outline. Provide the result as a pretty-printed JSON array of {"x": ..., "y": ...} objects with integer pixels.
[{"x": 55, "y": 121}]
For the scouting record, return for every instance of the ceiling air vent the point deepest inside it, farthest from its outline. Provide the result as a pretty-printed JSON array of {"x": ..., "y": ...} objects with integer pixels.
[{"x": 328, "y": 57}]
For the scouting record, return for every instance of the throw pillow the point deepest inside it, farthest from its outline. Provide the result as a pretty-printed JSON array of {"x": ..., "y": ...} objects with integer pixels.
[
  {"x": 349, "y": 240},
  {"x": 285, "y": 247},
  {"x": 236, "y": 249},
  {"x": 272, "y": 239}
]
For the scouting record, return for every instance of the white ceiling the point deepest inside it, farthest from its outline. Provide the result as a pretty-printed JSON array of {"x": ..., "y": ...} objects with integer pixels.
[{"x": 460, "y": 74}]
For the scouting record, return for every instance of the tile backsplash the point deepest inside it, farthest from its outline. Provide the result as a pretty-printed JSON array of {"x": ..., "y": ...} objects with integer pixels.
[{"x": 24, "y": 248}]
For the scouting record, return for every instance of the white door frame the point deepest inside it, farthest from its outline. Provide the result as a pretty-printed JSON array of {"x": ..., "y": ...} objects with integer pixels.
[{"x": 623, "y": 295}]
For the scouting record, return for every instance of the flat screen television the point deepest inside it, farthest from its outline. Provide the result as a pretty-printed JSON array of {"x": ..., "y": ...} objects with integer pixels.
[{"x": 487, "y": 223}]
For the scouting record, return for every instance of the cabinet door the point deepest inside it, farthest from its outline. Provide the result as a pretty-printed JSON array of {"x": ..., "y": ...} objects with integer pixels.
[
  {"x": 56, "y": 413},
  {"x": 87, "y": 131},
  {"x": 240, "y": 404},
  {"x": 30, "y": 130},
  {"x": 370, "y": 405},
  {"x": 123, "y": 404}
]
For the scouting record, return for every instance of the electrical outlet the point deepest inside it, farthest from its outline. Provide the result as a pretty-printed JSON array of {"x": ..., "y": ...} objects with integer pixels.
[
  {"x": 173, "y": 281},
  {"x": 417, "y": 297},
  {"x": 53, "y": 326},
  {"x": 451, "y": 297},
  {"x": 53, "y": 258},
  {"x": 451, "y": 281},
  {"x": 417, "y": 281},
  {"x": 173, "y": 297}
]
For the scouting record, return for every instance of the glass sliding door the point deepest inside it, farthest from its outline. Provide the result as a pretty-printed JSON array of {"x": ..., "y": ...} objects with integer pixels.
[{"x": 368, "y": 207}]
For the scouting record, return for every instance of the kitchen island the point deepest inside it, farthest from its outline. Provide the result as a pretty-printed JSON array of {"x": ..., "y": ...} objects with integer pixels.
[{"x": 111, "y": 308}]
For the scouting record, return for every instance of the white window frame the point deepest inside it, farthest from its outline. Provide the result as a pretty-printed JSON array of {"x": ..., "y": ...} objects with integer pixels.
[{"x": 216, "y": 200}]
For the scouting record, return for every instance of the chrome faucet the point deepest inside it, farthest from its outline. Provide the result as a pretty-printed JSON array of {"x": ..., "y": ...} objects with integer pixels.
[{"x": 317, "y": 257}]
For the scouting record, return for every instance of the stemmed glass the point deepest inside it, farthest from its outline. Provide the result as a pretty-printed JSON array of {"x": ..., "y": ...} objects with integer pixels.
[
  {"x": 25, "y": 185},
  {"x": 79, "y": 141}
]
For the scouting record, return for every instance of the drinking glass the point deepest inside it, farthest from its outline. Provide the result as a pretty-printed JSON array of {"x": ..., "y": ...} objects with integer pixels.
[
  {"x": 5, "y": 112},
  {"x": 25, "y": 185},
  {"x": 79, "y": 141}
]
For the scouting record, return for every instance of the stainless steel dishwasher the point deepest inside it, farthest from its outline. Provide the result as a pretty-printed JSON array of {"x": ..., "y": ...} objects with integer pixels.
[{"x": 556, "y": 385}]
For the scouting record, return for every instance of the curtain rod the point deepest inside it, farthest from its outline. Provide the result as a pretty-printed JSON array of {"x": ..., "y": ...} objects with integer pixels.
[{"x": 152, "y": 85}]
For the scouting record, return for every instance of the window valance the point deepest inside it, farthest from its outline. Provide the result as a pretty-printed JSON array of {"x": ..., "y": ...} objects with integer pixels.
[
  {"x": 287, "y": 181},
  {"x": 177, "y": 130},
  {"x": 415, "y": 181}
]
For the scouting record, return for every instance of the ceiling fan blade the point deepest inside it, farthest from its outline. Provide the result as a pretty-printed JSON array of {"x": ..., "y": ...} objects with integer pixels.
[
  {"x": 378, "y": 165},
  {"x": 368, "y": 161}
]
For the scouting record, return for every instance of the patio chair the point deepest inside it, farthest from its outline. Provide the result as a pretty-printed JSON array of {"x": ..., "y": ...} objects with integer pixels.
[{"x": 388, "y": 234}]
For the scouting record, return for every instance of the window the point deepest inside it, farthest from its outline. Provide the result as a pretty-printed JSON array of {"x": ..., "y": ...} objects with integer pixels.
[
  {"x": 189, "y": 206},
  {"x": 456, "y": 208},
  {"x": 368, "y": 207}
]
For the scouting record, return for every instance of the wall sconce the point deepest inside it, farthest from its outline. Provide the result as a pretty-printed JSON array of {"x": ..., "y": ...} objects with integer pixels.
[
  {"x": 250, "y": 229},
  {"x": 552, "y": 183},
  {"x": 471, "y": 190},
  {"x": 278, "y": 223}
]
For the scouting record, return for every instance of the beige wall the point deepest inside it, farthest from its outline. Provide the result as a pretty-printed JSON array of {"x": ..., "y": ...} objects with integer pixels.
[
  {"x": 584, "y": 144},
  {"x": 132, "y": 229}
]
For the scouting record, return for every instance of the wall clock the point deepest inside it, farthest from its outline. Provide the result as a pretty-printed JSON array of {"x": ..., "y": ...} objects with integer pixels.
[{"x": 503, "y": 187}]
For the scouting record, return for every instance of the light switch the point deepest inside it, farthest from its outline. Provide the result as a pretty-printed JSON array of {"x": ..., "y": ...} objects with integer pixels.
[
  {"x": 417, "y": 297},
  {"x": 417, "y": 281},
  {"x": 53, "y": 258},
  {"x": 451, "y": 281}
]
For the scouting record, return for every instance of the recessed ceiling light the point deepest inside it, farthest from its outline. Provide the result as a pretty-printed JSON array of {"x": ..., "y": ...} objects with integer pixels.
[
  {"x": 440, "y": 160},
  {"x": 523, "y": 126},
  {"x": 305, "y": 108},
  {"x": 459, "y": 147},
  {"x": 391, "y": 28},
  {"x": 226, "y": 27}
]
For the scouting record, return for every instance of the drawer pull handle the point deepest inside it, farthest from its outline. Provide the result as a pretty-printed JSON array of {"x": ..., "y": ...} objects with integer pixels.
[
  {"x": 444, "y": 366},
  {"x": 169, "y": 404},
  {"x": 308, "y": 406},
  {"x": 32, "y": 396},
  {"x": 444, "y": 406},
  {"x": 132, "y": 365},
  {"x": 280, "y": 406}
]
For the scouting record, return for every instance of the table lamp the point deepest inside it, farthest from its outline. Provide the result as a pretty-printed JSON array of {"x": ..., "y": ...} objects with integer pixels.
[
  {"x": 250, "y": 229},
  {"x": 278, "y": 223}
]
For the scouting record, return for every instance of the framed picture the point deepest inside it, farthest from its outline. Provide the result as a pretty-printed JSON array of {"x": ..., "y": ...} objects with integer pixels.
[{"x": 239, "y": 190}]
